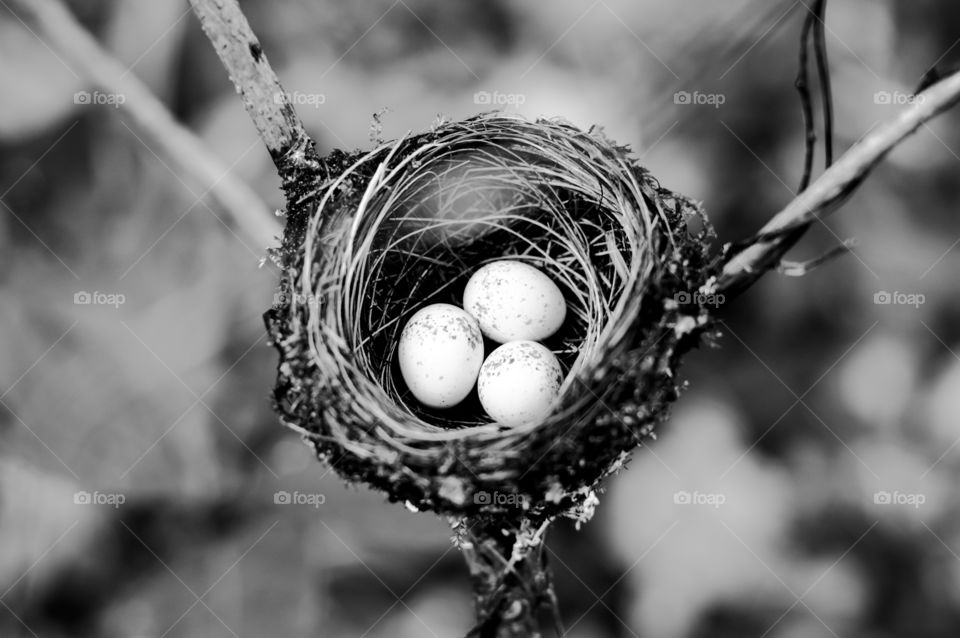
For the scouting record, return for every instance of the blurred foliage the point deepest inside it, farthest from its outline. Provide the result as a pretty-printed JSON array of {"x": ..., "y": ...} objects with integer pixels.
[{"x": 817, "y": 402}]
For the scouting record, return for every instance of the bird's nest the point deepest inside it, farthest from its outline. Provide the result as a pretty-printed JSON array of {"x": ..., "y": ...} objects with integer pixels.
[{"x": 405, "y": 225}]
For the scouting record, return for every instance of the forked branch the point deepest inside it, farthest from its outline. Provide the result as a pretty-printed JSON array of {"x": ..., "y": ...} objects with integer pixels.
[{"x": 742, "y": 267}]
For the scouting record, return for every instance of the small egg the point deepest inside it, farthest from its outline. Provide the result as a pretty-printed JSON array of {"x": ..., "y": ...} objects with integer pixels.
[
  {"x": 518, "y": 382},
  {"x": 514, "y": 301},
  {"x": 440, "y": 354}
]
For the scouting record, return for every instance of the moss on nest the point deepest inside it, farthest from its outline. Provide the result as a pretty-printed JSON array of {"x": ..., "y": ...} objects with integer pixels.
[{"x": 404, "y": 225}]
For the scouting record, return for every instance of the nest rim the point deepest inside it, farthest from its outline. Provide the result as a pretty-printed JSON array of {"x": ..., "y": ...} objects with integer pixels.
[{"x": 435, "y": 467}]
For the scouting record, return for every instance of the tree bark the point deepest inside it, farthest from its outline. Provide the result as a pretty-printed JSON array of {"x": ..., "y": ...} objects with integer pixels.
[
  {"x": 512, "y": 583},
  {"x": 267, "y": 104}
]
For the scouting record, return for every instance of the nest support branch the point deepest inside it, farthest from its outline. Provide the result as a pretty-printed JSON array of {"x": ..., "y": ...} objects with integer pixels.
[
  {"x": 267, "y": 104},
  {"x": 511, "y": 580}
]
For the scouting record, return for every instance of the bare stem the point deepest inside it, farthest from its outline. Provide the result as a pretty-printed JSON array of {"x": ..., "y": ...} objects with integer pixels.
[
  {"x": 267, "y": 104},
  {"x": 802, "y": 83},
  {"x": 823, "y": 72},
  {"x": 511, "y": 581},
  {"x": 744, "y": 266},
  {"x": 165, "y": 135}
]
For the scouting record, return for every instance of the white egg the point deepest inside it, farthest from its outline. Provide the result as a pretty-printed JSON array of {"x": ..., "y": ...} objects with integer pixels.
[
  {"x": 519, "y": 382},
  {"x": 440, "y": 353},
  {"x": 514, "y": 301}
]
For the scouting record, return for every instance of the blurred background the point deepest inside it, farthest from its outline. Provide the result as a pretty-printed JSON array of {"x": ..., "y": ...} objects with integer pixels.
[{"x": 803, "y": 487}]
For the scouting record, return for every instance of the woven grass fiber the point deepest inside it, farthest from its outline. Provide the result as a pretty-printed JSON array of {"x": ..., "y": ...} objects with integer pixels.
[{"x": 405, "y": 225}]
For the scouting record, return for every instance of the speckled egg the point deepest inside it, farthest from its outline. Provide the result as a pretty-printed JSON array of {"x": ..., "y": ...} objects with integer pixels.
[
  {"x": 514, "y": 301},
  {"x": 440, "y": 354},
  {"x": 518, "y": 382}
]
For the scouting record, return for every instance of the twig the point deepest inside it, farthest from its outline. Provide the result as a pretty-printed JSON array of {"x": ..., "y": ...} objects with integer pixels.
[
  {"x": 802, "y": 84},
  {"x": 833, "y": 187},
  {"x": 823, "y": 75},
  {"x": 813, "y": 23},
  {"x": 267, "y": 104},
  {"x": 511, "y": 581},
  {"x": 801, "y": 268},
  {"x": 170, "y": 139}
]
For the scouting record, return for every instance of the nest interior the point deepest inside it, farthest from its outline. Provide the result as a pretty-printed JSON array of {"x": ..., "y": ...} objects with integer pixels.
[{"x": 405, "y": 225}]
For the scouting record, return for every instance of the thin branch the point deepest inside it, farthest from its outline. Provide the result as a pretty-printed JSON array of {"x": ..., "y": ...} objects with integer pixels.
[
  {"x": 831, "y": 189},
  {"x": 823, "y": 75},
  {"x": 267, "y": 104},
  {"x": 801, "y": 268},
  {"x": 813, "y": 24},
  {"x": 511, "y": 581},
  {"x": 164, "y": 134},
  {"x": 802, "y": 84},
  {"x": 813, "y": 27}
]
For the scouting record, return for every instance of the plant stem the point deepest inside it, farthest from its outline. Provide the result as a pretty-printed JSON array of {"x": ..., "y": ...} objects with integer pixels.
[
  {"x": 511, "y": 581},
  {"x": 267, "y": 104},
  {"x": 813, "y": 23}
]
